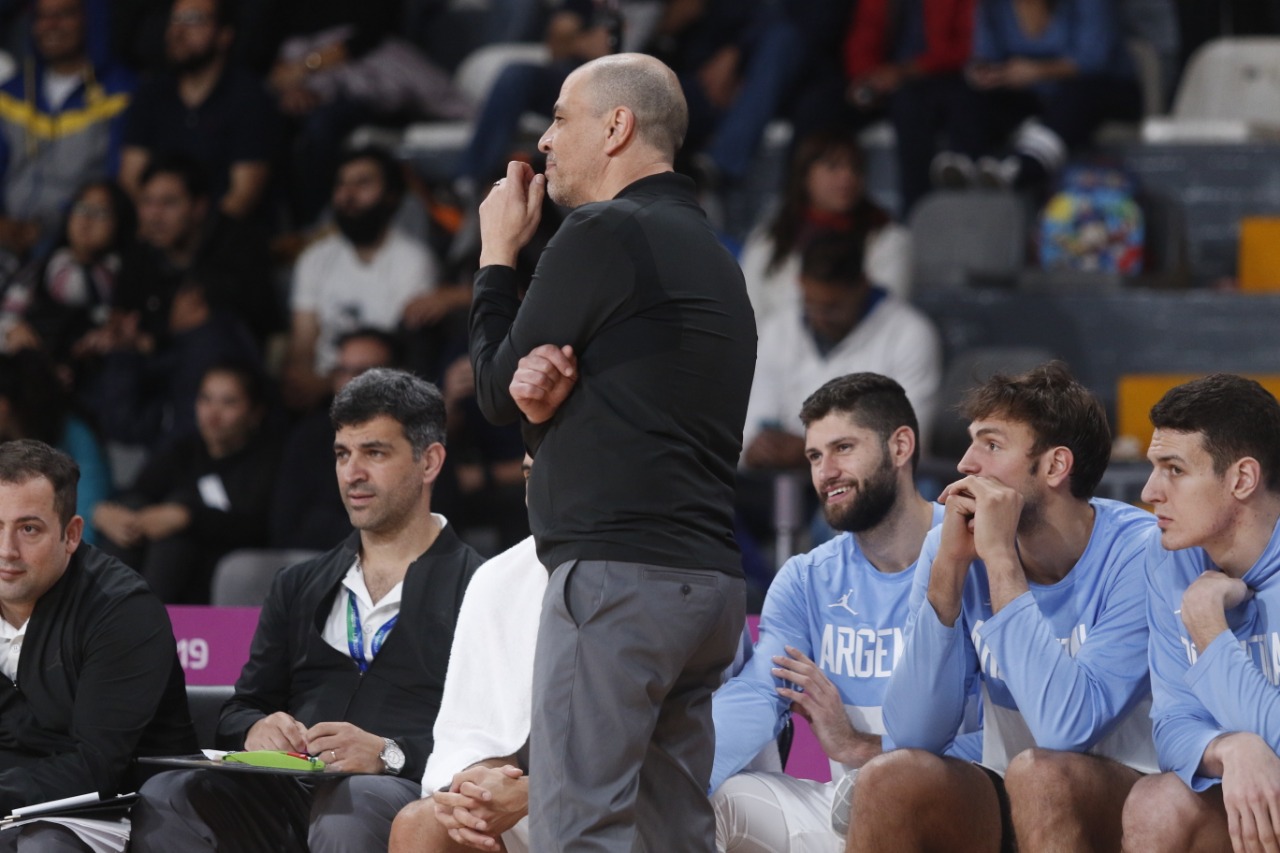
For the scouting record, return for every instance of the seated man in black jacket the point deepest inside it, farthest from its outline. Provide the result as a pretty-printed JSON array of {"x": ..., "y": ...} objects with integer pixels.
[
  {"x": 333, "y": 671},
  {"x": 91, "y": 646}
]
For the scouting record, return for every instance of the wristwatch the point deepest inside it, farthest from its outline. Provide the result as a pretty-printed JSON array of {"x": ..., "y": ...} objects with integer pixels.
[{"x": 392, "y": 757}]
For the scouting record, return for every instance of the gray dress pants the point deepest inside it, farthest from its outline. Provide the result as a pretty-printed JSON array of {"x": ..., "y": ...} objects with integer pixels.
[
  {"x": 193, "y": 810},
  {"x": 621, "y": 744}
]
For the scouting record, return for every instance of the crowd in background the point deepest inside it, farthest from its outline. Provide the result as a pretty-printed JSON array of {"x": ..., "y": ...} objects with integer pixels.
[{"x": 194, "y": 259}]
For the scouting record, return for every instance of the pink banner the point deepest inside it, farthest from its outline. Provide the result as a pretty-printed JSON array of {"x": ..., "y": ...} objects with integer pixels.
[{"x": 213, "y": 642}]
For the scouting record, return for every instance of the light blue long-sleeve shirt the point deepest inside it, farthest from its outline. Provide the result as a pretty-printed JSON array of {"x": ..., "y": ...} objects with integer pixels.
[
  {"x": 838, "y": 609},
  {"x": 1232, "y": 686},
  {"x": 1062, "y": 666}
]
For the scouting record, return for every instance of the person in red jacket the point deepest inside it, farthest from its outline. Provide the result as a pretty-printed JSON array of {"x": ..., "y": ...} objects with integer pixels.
[{"x": 904, "y": 59}]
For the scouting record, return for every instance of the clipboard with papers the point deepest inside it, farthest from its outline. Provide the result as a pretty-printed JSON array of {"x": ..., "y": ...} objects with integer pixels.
[{"x": 102, "y": 824}]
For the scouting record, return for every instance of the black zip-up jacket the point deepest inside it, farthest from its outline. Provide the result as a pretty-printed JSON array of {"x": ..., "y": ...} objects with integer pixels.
[
  {"x": 291, "y": 668},
  {"x": 99, "y": 684}
]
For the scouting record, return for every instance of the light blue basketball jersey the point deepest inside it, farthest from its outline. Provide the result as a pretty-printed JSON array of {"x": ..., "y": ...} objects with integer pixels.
[
  {"x": 838, "y": 609},
  {"x": 1232, "y": 686},
  {"x": 1062, "y": 667}
]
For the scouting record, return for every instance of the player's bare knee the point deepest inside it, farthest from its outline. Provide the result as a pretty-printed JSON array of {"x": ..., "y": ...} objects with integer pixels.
[
  {"x": 414, "y": 827},
  {"x": 1159, "y": 814},
  {"x": 1039, "y": 774},
  {"x": 897, "y": 778}
]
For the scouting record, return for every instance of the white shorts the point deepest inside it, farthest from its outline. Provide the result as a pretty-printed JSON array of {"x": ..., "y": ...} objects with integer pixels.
[{"x": 775, "y": 813}]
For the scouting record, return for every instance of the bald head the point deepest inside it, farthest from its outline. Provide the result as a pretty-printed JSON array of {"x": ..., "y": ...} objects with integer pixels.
[{"x": 649, "y": 89}]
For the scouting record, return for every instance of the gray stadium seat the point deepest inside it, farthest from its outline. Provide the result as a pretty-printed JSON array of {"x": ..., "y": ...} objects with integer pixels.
[
  {"x": 243, "y": 577},
  {"x": 963, "y": 238},
  {"x": 966, "y": 369},
  {"x": 205, "y": 702}
]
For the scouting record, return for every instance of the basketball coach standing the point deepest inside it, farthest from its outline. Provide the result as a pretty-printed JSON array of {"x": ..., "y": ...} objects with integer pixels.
[{"x": 629, "y": 363}]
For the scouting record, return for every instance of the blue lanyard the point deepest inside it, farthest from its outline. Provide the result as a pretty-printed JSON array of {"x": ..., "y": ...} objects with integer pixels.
[{"x": 355, "y": 633}]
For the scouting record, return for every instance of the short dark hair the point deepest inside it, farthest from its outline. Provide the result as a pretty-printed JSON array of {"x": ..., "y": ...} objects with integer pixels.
[
  {"x": 1235, "y": 416},
  {"x": 193, "y": 176},
  {"x": 870, "y": 400},
  {"x": 390, "y": 342},
  {"x": 392, "y": 171},
  {"x": 415, "y": 403},
  {"x": 1060, "y": 413},
  {"x": 25, "y": 459},
  {"x": 250, "y": 375},
  {"x": 835, "y": 257}
]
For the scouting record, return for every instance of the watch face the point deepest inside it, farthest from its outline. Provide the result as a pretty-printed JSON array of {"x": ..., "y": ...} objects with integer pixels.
[{"x": 393, "y": 756}]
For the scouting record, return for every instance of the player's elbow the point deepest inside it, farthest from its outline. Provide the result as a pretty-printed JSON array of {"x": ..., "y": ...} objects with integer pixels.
[
  {"x": 904, "y": 734},
  {"x": 1071, "y": 735},
  {"x": 1067, "y": 741}
]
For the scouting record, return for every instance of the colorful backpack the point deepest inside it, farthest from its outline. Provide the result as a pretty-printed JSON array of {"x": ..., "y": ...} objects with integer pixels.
[{"x": 1093, "y": 223}]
